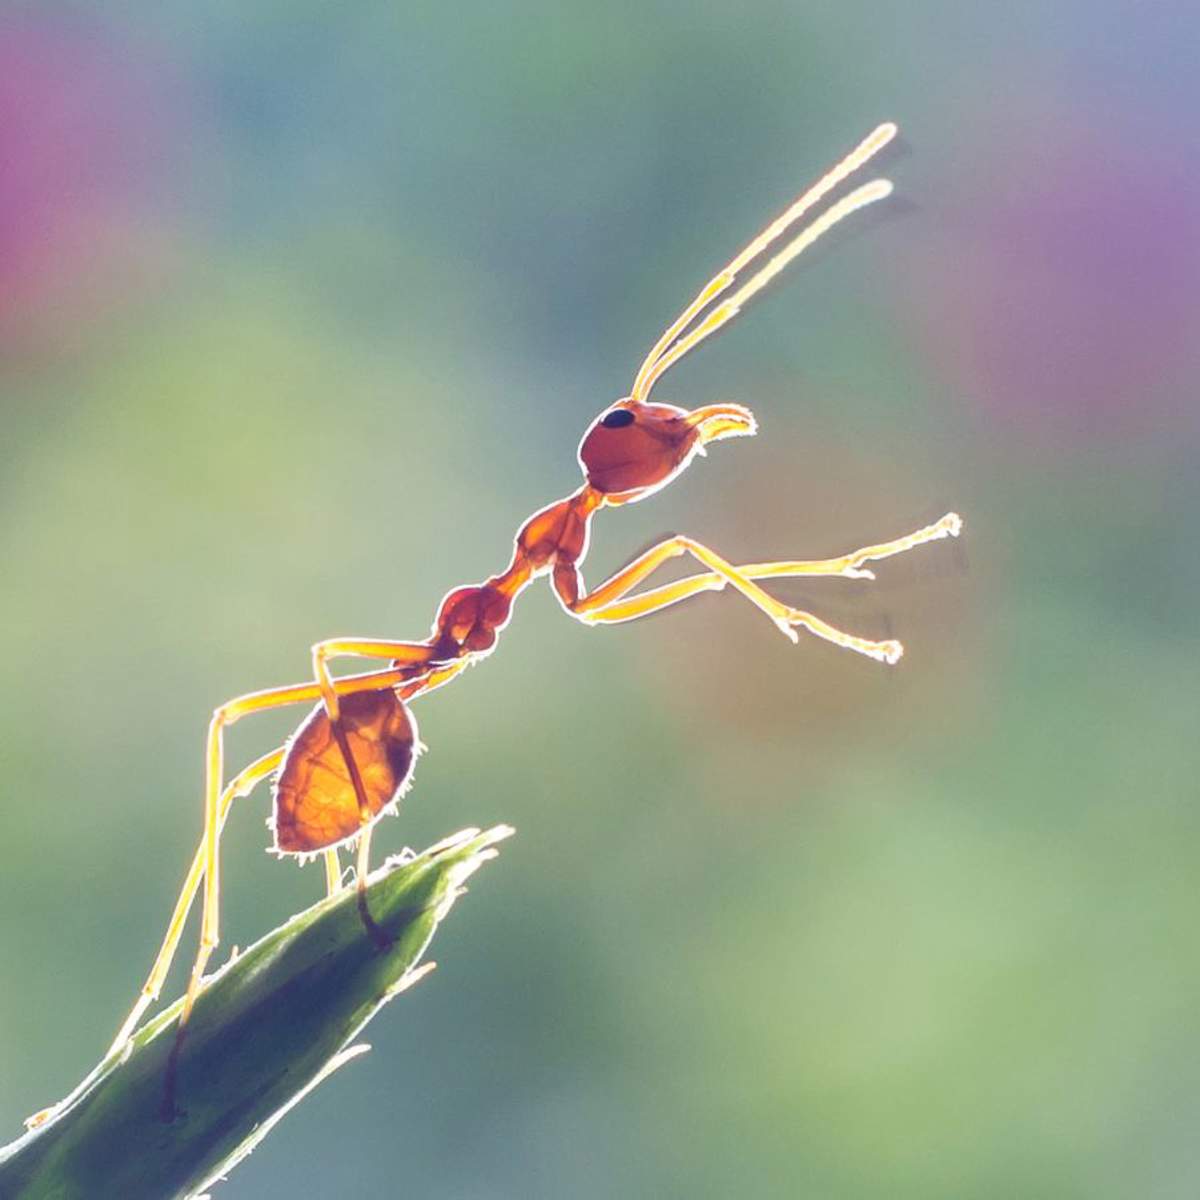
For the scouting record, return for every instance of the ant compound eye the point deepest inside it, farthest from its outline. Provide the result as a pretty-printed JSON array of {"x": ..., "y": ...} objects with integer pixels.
[{"x": 617, "y": 419}]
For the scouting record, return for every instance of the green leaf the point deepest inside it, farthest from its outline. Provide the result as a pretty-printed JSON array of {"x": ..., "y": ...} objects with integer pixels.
[{"x": 266, "y": 1029}]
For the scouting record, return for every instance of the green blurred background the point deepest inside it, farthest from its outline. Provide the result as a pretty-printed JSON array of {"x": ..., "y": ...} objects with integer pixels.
[{"x": 303, "y": 307}]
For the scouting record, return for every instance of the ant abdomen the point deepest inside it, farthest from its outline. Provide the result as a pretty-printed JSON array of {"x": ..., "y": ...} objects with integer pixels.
[{"x": 316, "y": 805}]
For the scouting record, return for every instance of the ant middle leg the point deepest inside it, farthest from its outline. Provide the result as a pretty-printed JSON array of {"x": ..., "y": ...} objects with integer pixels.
[
  {"x": 412, "y": 657},
  {"x": 333, "y": 872}
]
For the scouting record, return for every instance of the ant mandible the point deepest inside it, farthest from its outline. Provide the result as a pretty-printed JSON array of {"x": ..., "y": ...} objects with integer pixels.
[{"x": 352, "y": 758}]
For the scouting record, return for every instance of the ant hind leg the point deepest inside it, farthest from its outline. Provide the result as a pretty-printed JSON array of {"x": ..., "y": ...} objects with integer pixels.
[
  {"x": 225, "y": 715},
  {"x": 241, "y": 786}
]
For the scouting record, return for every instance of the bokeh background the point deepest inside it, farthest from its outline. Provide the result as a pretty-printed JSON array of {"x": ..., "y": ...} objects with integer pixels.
[{"x": 304, "y": 307}]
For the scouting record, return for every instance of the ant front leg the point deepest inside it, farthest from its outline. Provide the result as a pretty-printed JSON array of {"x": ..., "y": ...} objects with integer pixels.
[
  {"x": 607, "y": 604},
  {"x": 610, "y": 603}
]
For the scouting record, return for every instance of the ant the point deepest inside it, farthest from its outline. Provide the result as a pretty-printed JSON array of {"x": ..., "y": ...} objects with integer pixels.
[{"x": 352, "y": 758}]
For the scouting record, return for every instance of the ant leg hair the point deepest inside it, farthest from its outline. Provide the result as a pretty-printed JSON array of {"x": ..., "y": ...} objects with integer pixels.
[
  {"x": 865, "y": 150},
  {"x": 241, "y": 786}
]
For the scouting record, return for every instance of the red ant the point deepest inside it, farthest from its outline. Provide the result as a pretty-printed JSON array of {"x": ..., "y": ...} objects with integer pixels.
[{"x": 352, "y": 758}]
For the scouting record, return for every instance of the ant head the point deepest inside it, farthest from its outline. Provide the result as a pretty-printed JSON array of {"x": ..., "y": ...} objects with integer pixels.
[{"x": 634, "y": 449}]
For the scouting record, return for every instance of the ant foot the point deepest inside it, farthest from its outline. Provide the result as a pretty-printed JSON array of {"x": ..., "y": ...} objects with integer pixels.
[
  {"x": 951, "y": 525},
  {"x": 888, "y": 652}
]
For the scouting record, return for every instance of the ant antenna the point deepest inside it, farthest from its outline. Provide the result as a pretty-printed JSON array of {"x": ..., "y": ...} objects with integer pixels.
[
  {"x": 667, "y": 351},
  {"x": 877, "y": 189}
]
